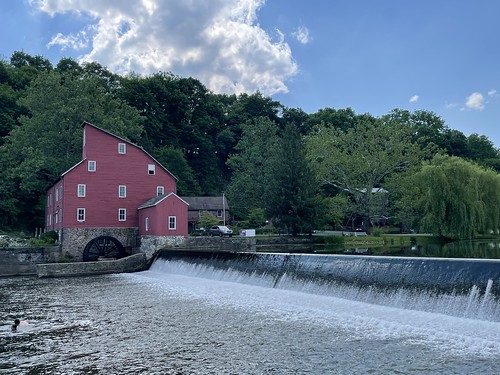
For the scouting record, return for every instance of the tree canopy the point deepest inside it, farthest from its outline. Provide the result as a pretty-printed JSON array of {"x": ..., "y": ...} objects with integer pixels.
[
  {"x": 360, "y": 159},
  {"x": 297, "y": 169},
  {"x": 455, "y": 198}
]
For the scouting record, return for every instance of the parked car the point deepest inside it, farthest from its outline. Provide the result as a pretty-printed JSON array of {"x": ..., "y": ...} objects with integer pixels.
[{"x": 220, "y": 230}]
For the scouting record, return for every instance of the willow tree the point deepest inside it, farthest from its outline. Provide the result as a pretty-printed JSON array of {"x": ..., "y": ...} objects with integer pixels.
[
  {"x": 358, "y": 160},
  {"x": 457, "y": 199}
]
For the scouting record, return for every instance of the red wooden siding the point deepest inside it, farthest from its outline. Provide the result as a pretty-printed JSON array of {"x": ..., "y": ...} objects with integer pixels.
[
  {"x": 101, "y": 201},
  {"x": 54, "y": 206},
  {"x": 158, "y": 217}
]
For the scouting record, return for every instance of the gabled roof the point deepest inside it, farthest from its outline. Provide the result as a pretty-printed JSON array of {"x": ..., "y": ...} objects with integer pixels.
[
  {"x": 206, "y": 203},
  {"x": 74, "y": 166},
  {"x": 85, "y": 123},
  {"x": 156, "y": 200}
]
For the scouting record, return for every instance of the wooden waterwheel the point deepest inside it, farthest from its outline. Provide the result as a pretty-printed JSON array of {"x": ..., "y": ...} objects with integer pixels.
[{"x": 103, "y": 247}]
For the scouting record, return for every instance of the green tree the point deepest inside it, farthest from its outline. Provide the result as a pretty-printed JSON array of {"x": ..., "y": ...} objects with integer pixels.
[
  {"x": 292, "y": 197},
  {"x": 173, "y": 159},
  {"x": 479, "y": 148},
  {"x": 427, "y": 128},
  {"x": 360, "y": 159},
  {"x": 251, "y": 166},
  {"x": 455, "y": 198},
  {"x": 342, "y": 119},
  {"x": 256, "y": 217},
  {"x": 183, "y": 114},
  {"x": 207, "y": 220}
]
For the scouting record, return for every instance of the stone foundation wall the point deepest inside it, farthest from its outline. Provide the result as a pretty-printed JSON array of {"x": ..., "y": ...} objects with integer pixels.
[
  {"x": 23, "y": 260},
  {"x": 74, "y": 240},
  {"x": 151, "y": 244},
  {"x": 238, "y": 244},
  {"x": 133, "y": 263}
]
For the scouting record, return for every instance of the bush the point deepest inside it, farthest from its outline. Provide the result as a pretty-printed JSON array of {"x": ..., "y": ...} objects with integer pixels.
[{"x": 49, "y": 237}]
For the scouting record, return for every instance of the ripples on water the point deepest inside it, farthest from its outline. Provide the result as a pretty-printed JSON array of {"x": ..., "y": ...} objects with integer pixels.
[{"x": 161, "y": 323}]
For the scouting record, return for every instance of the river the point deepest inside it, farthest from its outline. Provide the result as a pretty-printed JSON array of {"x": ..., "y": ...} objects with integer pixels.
[{"x": 173, "y": 320}]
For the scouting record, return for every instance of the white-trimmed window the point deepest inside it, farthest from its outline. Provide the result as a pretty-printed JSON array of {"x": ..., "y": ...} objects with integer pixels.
[
  {"x": 151, "y": 169},
  {"x": 80, "y": 214},
  {"x": 57, "y": 194},
  {"x": 219, "y": 213},
  {"x": 122, "y": 214},
  {"x": 160, "y": 190},
  {"x": 61, "y": 193},
  {"x": 91, "y": 166},
  {"x": 172, "y": 222},
  {"x": 49, "y": 219},
  {"x": 60, "y": 215},
  {"x": 146, "y": 224},
  {"x": 56, "y": 220},
  {"x": 81, "y": 190},
  {"x": 48, "y": 200},
  {"x": 122, "y": 148},
  {"x": 122, "y": 191}
]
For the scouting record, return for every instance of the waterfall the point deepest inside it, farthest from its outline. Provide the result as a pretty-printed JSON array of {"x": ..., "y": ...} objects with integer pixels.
[{"x": 467, "y": 288}]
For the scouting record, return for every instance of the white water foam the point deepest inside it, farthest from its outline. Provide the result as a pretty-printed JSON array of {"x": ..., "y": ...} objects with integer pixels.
[{"x": 453, "y": 335}]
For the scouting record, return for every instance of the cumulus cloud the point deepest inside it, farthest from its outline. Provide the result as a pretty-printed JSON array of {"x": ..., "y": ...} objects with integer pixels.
[
  {"x": 302, "y": 35},
  {"x": 475, "y": 101},
  {"x": 218, "y": 42},
  {"x": 414, "y": 99}
]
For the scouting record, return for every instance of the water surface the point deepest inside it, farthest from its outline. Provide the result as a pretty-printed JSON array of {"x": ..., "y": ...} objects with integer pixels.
[{"x": 165, "y": 322}]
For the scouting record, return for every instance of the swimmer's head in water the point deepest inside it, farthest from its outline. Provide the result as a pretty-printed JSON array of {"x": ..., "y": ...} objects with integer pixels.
[{"x": 17, "y": 322}]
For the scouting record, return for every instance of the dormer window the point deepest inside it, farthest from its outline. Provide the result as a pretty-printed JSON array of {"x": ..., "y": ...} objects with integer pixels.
[
  {"x": 122, "y": 148},
  {"x": 151, "y": 169},
  {"x": 91, "y": 166}
]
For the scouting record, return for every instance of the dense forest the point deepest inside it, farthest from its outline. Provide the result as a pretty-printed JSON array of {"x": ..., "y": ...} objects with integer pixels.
[{"x": 332, "y": 168}]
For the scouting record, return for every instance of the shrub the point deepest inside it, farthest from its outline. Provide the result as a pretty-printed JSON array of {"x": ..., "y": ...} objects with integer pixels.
[{"x": 49, "y": 237}]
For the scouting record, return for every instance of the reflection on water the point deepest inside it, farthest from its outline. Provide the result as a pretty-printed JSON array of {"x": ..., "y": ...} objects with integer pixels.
[{"x": 479, "y": 249}]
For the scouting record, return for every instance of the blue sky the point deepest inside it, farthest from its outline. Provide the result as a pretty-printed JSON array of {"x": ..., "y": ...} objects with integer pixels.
[{"x": 373, "y": 56}]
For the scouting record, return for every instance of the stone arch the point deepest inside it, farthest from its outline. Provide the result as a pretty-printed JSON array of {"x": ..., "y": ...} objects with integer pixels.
[{"x": 103, "y": 247}]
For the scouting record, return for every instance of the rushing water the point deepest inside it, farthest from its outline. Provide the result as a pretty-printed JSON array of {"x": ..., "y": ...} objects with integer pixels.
[{"x": 187, "y": 318}]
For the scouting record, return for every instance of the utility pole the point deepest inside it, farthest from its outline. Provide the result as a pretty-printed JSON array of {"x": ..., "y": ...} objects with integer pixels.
[{"x": 223, "y": 209}]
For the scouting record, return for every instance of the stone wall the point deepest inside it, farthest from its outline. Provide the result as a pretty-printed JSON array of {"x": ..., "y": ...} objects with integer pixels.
[
  {"x": 149, "y": 245},
  {"x": 133, "y": 263},
  {"x": 23, "y": 261},
  {"x": 74, "y": 240}
]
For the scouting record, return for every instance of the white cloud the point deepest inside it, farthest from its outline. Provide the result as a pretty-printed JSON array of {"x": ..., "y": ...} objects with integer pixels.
[
  {"x": 218, "y": 42},
  {"x": 414, "y": 99},
  {"x": 475, "y": 101},
  {"x": 492, "y": 92},
  {"x": 71, "y": 41},
  {"x": 302, "y": 35}
]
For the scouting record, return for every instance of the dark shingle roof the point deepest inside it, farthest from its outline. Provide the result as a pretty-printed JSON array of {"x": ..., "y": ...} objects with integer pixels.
[
  {"x": 205, "y": 203},
  {"x": 154, "y": 201}
]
